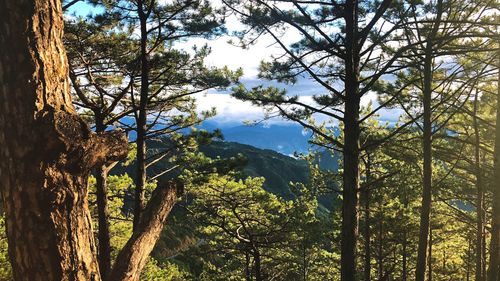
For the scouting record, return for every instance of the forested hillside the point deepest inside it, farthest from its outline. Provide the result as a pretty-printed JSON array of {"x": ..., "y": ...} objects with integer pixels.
[{"x": 255, "y": 140}]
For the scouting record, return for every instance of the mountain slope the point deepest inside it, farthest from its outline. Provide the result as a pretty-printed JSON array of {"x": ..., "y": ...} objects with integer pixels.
[{"x": 278, "y": 169}]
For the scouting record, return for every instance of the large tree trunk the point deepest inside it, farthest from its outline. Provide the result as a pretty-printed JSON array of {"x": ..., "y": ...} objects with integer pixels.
[
  {"x": 46, "y": 151},
  {"x": 494, "y": 267},
  {"x": 350, "y": 202}
]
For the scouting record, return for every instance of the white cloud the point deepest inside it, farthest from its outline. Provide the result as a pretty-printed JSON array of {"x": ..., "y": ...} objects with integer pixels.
[
  {"x": 226, "y": 54},
  {"x": 229, "y": 110},
  {"x": 232, "y": 111}
]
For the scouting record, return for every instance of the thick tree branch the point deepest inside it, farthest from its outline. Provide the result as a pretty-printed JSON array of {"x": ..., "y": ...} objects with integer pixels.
[{"x": 133, "y": 256}]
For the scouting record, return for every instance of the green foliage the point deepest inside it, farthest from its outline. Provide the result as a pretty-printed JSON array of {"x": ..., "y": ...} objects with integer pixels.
[
  {"x": 241, "y": 225},
  {"x": 120, "y": 224},
  {"x": 167, "y": 271}
]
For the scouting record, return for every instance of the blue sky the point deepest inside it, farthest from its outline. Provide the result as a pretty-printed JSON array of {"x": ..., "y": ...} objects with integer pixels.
[{"x": 82, "y": 9}]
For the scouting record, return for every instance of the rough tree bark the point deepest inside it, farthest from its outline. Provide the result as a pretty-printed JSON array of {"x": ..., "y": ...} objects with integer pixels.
[
  {"x": 350, "y": 203},
  {"x": 46, "y": 151}
]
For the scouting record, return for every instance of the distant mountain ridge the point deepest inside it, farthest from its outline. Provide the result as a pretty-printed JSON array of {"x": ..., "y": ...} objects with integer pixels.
[{"x": 278, "y": 169}]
